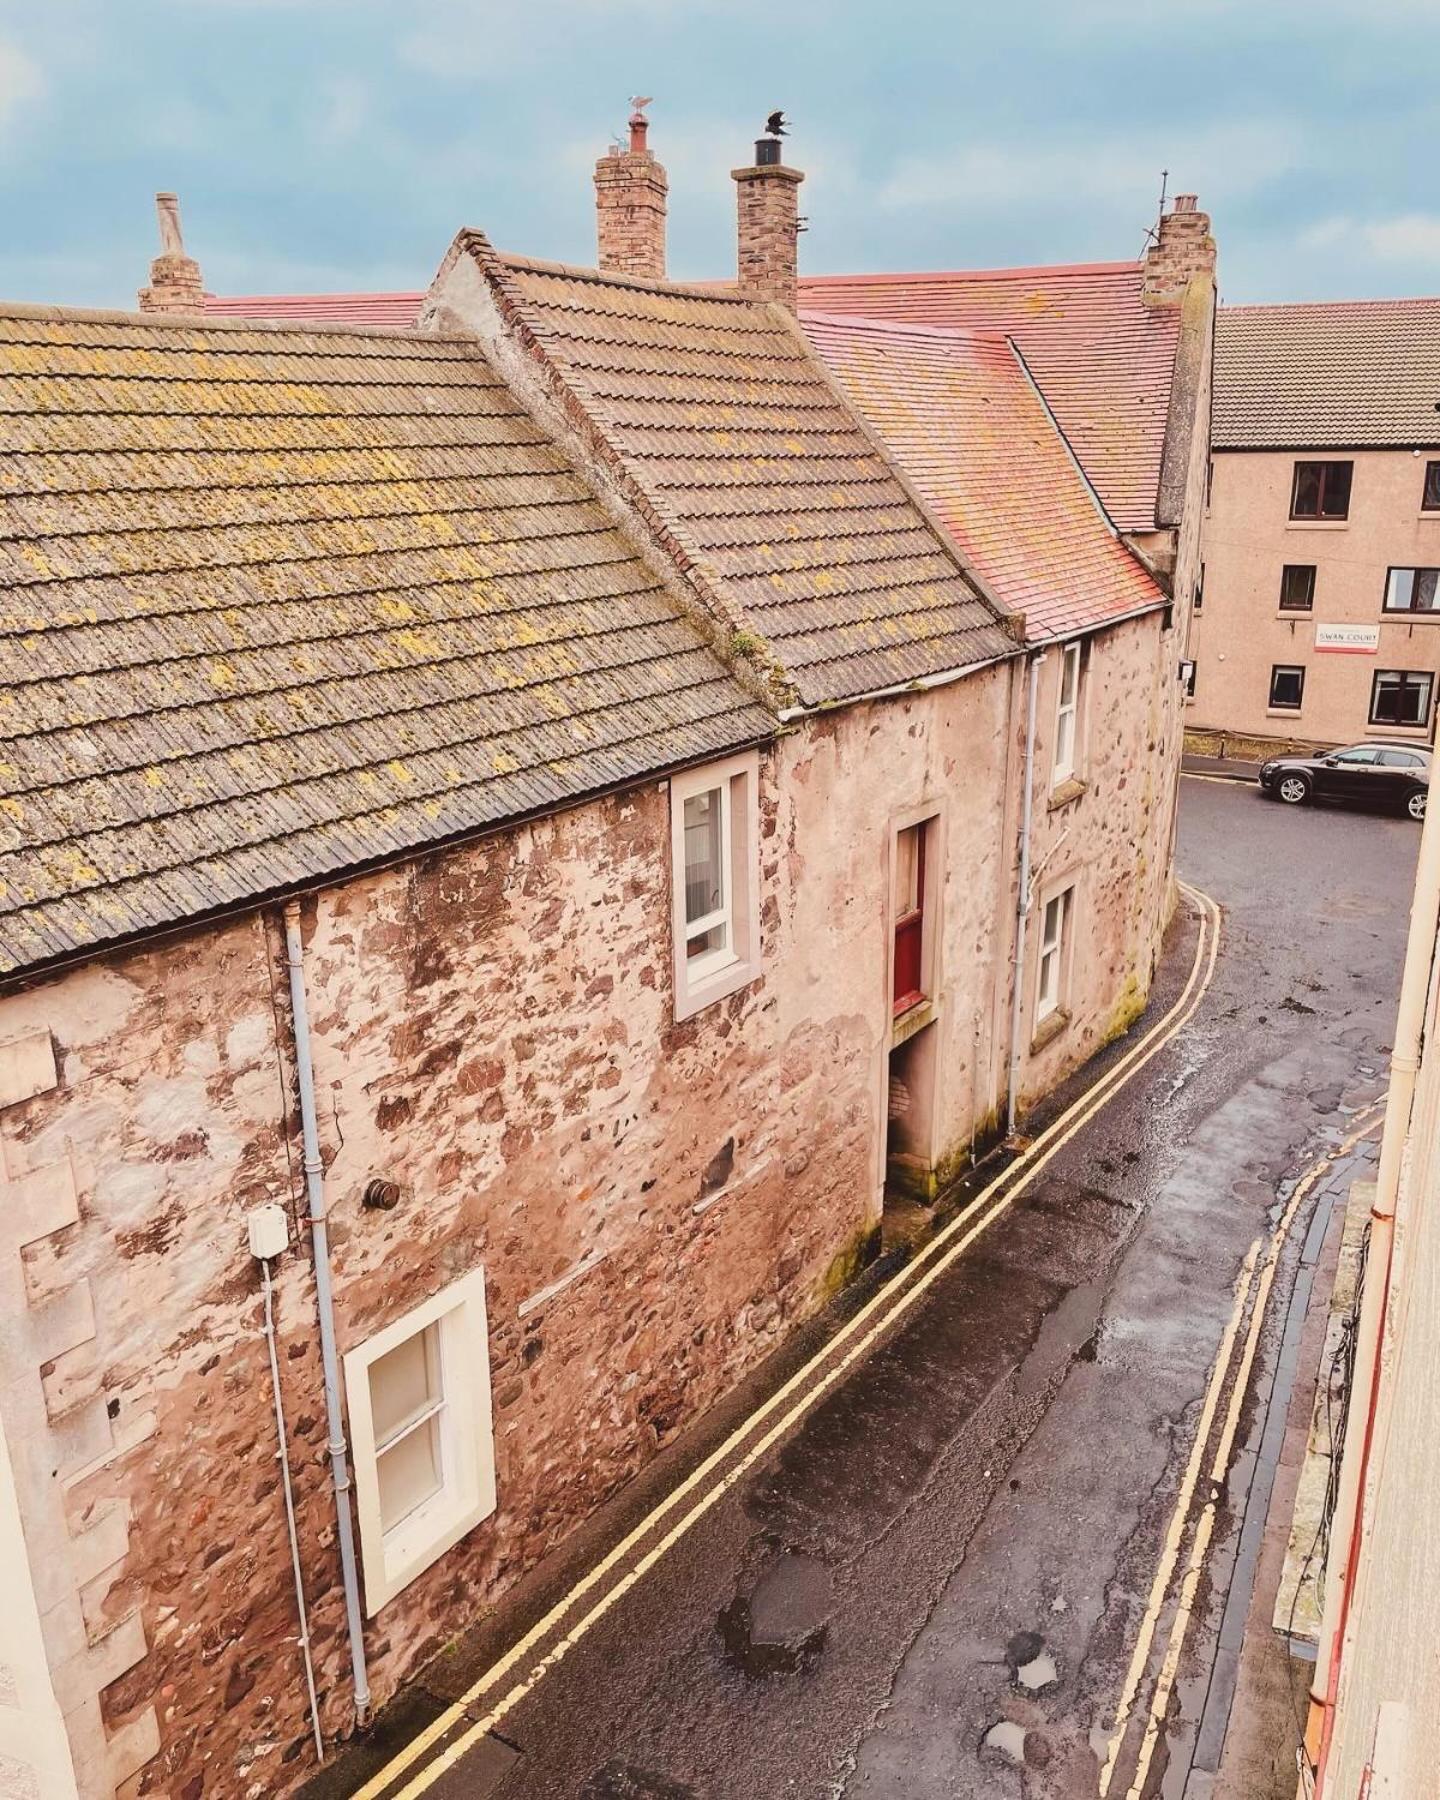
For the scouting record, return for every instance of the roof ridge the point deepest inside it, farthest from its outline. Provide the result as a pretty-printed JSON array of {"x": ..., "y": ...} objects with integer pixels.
[
  {"x": 205, "y": 321},
  {"x": 1015, "y": 272},
  {"x": 905, "y": 327},
  {"x": 690, "y": 290},
  {"x": 1299, "y": 306}
]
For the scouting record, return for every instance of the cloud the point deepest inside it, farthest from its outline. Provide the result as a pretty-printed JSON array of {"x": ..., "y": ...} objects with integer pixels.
[
  {"x": 341, "y": 109},
  {"x": 21, "y": 81},
  {"x": 1407, "y": 238},
  {"x": 1218, "y": 162}
]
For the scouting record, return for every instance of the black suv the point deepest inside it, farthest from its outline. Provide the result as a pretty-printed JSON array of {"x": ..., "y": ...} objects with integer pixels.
[{"x": 1389, "y": 775}]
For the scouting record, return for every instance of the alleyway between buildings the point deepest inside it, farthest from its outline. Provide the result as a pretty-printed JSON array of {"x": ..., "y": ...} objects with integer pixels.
[{"x": 931, "y": 1581}]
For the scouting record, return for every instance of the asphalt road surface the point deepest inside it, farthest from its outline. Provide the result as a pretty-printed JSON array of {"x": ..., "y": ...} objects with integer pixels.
[{"x": 931, "y": 1585}]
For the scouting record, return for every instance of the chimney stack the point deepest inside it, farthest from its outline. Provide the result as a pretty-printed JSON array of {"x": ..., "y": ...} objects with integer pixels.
[
  {"x": 768, "y": 195},
  {"x": 1183, "y": 248},
  {"x": 630, "y": 189},
  {"x": 174, "y": 277}
]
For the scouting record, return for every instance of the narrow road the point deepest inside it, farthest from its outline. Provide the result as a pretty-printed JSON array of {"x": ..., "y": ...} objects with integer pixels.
[{"x": 933, "y": 1582}]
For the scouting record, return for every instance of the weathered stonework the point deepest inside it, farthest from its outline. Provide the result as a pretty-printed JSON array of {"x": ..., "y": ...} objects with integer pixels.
[{"x": 655, "y": 1204}]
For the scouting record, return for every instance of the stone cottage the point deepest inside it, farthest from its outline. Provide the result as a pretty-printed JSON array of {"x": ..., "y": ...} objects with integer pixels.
[{"x": 494, "y": 808}]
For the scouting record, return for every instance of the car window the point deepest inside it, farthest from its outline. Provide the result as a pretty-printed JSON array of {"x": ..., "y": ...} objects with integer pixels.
[
  {"x": 1401, "y": 759},
  {"x": 1365, "y": 753}
]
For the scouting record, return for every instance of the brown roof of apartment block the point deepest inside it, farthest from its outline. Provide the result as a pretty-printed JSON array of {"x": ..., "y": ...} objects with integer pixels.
[
  {"x": 280, "y": 603},
  {"x": 1341, "y": 374}
]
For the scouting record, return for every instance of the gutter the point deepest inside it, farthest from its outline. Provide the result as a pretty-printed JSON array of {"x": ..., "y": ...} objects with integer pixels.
[
  {"x": 1347, "y": 1526},
  {"x": 325, "y": 1307}
]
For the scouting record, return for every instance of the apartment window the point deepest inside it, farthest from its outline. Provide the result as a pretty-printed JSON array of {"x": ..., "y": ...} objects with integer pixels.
[
  {"x": 715, "y": 874},
  {"x": 1067, "y": 715},
  {"x": 1187, "y": 676},
  {"x": 1297, "y": 587},
  {"x": 1054, "y": 930},
  {"x": 418, "y": 1396},
  {"x": 1430, "y": 494},
  {"x": 911, "y": 847},
  {"x": 1412, "y": 590},
  {"x": 1199, "y": 600},
  {"x": 1287, "y": 687},
  {"x": 1400, "y": 697},
  {"x": 1321, "y": 490}
]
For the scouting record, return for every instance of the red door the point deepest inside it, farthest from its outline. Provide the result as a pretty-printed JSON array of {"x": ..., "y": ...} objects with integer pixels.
[{"x": 909, "y": 917}]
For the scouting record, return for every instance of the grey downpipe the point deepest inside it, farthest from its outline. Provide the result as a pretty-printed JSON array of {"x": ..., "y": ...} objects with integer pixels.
[
  {"x": 325, "y": 1306},
  {"x": 1022, "y": 909}
]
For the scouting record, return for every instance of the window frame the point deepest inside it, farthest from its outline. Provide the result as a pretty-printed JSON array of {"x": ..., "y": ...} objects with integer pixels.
[
  {"x": 1065, "y": 765},
  {"x": 718, "y": 973},
  {"x": 1430, "y": 482},
  {"x": 926, "y": 831},
  {"x": 1287, "y": 606},
  {"x": 1275, "y": 705},
  {"x": 1050, "y": 996},
  {"x": 1423, "y": 679},
  {"x": 392, "y": 1559},
  {"x": 1412, "y": 611},
  {"x": 1323, "y": 464}
]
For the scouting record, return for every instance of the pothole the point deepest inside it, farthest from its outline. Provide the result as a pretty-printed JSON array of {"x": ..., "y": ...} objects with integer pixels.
[{"x": 781, "y": 1623}]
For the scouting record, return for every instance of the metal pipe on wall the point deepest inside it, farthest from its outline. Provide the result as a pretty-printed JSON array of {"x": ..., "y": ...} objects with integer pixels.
[
  {"x": 1022, "y": 910},
  {"x": 325, "y": 1306},
  {"x": 283, "y": 1456}
]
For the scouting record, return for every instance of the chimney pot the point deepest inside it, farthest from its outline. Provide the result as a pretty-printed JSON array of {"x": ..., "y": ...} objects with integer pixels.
[
  {"x": 1185, "y": 202},
  {"x": 175, "y": 284},
  {"x": 630, "y": 193}
]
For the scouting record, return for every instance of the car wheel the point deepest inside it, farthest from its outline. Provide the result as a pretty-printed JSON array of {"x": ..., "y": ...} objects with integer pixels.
[
  {"x": 1293, "y": 789},
  {"x": 1415, "y": 805}
]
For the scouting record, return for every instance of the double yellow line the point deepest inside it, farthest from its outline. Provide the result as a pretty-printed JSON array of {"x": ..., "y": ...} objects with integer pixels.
[
  {"x": 1238, "y": 1379},
  {"x": 732, "y": 1459}
]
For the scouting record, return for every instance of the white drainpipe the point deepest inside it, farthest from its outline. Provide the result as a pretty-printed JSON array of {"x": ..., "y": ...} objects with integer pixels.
[
  {"x": 1022, "y": 910},
  {"x": 325, "y": 1306}
]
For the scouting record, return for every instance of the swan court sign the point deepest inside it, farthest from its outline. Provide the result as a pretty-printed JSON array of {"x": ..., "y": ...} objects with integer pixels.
[{"x": 1358, "y": 640}]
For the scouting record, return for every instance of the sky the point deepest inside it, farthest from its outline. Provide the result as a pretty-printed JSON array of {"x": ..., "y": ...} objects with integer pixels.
[{"x": 339, "y": 144}]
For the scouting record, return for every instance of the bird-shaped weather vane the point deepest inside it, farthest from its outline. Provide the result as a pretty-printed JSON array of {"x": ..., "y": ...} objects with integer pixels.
[{"x": 775, "y": 124}]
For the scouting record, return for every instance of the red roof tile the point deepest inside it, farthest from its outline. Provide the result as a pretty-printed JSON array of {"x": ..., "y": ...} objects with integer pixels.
[
  {"x": 1103, "y": 358},
  {"x": 959, "y": 414}
]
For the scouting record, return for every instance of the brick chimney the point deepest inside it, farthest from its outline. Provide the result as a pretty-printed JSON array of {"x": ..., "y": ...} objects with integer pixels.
[
  {"x": 768, "y": 193},
  {"x": 174, "y": 277},
  {"x": 1183, "y": 248},
  {"x": 630, "y": 190}
]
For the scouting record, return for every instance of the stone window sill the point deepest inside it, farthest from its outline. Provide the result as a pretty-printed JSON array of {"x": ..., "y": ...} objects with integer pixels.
[
  {"x": 1067, "y": 792},
  {"x": 1282, "y": 712},
  {"x": 1297, "y": 615},
  {"x": 1049, "y": 1029},
  {"x": 1317, "y": 524},
  {"x": 1398, "y": 615}
]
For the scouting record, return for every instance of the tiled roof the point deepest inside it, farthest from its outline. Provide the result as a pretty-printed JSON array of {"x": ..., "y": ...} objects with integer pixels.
[
  {"x": 759, "y": 469},
  {"x": 959, "y": 413},
  {"x": 396, "y": 311},
  {"x": 277, "y": 604},
  {"x": 1340, "y": 373},
  {"x": 1103, "y": 359}
]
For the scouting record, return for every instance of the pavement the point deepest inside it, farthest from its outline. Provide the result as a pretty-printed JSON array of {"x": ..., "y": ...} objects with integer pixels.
[{"x": 933, "y": 1581}]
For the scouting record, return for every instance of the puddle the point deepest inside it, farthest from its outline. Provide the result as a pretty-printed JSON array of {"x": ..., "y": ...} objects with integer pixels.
[
  {"x": 1008, "y": 1739},
  {"x": 1039, "y": 1673}
]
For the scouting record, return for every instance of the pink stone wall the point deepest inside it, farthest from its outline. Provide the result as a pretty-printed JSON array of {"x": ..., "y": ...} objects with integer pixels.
[
  {"x": 493, "y": 1030},
  {"x": 1241, "y": 632}
]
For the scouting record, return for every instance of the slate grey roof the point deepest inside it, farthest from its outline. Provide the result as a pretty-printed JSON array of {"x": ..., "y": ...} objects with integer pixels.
[
  {"x": 277, "y": 603},
  {"x": 762, "y": 475},
  {"x": 1341, "y": 374}
]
